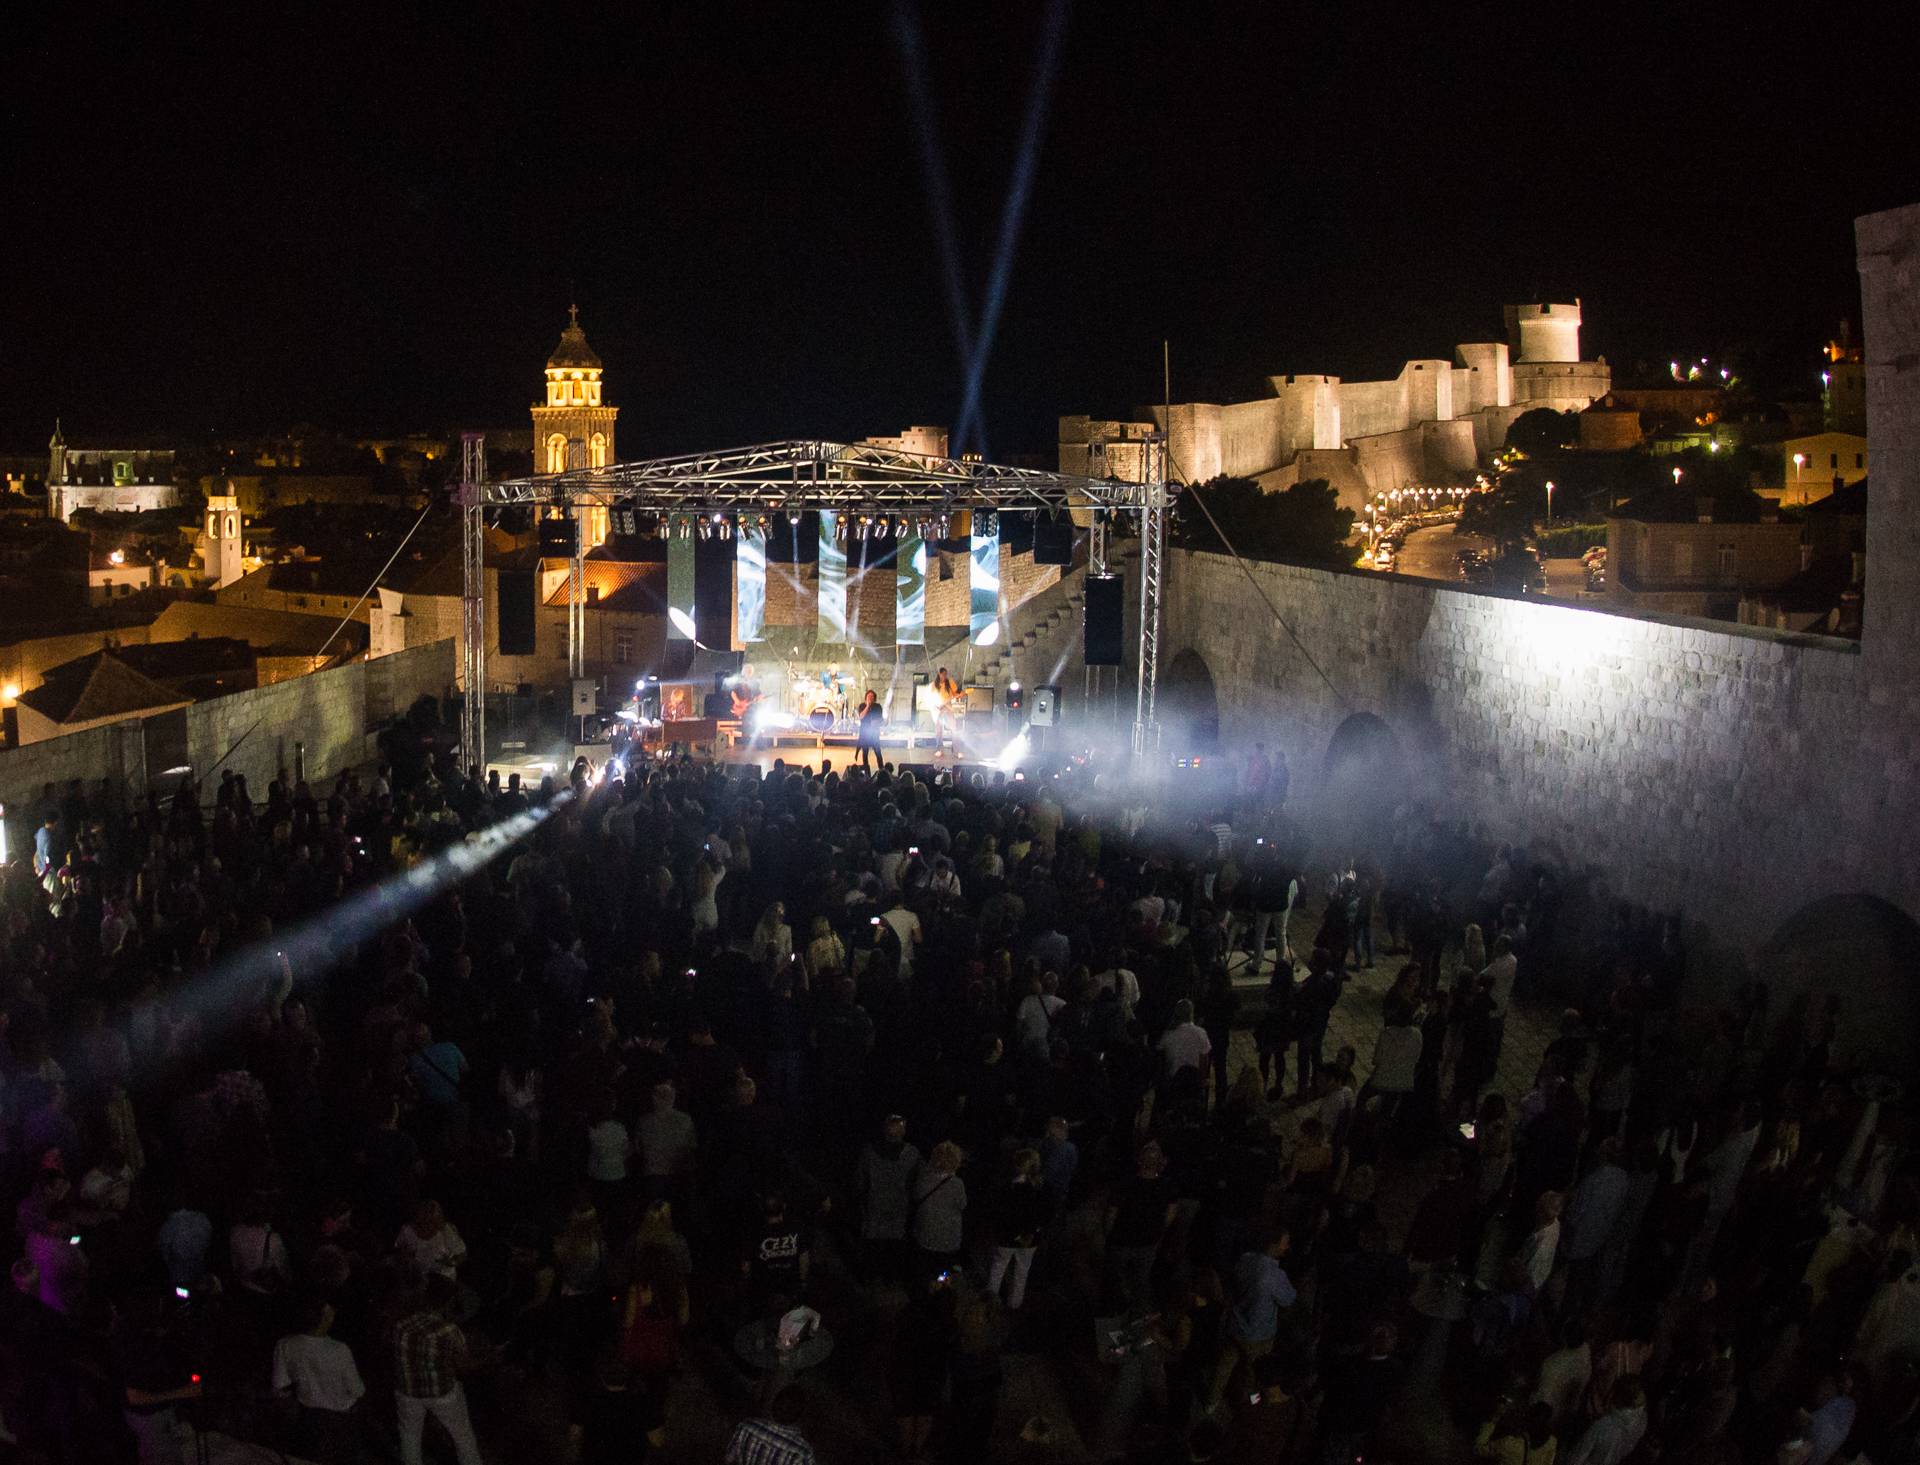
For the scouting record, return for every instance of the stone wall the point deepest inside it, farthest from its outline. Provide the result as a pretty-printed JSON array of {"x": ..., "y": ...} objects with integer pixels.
[
  {"x": 330, "y": 717},
  {"x": 1737, "y": 775}
]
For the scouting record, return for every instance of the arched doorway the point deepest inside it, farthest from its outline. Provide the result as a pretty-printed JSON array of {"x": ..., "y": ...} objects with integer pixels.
[
  {"x": 1362, "y": 777},
  {"x": 1863, "y": 950},
  {"x": 1188, "y": 710}
]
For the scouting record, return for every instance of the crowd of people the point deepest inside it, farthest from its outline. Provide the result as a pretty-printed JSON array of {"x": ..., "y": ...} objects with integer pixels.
[{"x": 792, "y": 1114}]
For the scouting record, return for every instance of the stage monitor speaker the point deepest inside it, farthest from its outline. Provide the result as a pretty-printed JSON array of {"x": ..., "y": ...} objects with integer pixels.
[
  {"x": 1046, "y": 706},
  {"x": 559, "y": 538},
  {"x": 1106, "y": 602},
  {"x": 516, "y": 612},
  {"x": 1052, "y": 538}
]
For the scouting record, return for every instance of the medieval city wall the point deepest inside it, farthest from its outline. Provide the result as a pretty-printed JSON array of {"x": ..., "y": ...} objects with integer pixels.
[{"x": 329, "y": 718}]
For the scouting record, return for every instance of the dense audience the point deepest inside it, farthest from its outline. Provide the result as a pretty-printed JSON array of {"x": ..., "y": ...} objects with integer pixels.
[{"x": 816, "y": 1099}]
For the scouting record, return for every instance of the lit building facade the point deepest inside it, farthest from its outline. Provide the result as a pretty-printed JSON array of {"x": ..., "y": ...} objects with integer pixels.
[{"x": 110, "y": 480}]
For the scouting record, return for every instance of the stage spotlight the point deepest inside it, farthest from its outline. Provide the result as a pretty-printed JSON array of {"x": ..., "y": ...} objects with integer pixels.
[
  {"x": 793, "y": 518},
  {"x": 706, "y": 529}
]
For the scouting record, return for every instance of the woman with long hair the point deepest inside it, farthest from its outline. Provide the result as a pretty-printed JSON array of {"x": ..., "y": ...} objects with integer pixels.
[{"x": 771, "y": 945}]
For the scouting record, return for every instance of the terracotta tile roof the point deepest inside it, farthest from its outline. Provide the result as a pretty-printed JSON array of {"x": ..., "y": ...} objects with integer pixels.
[
  {"x": 620, "y": 585},
  {"x": 96, "y": 687}
]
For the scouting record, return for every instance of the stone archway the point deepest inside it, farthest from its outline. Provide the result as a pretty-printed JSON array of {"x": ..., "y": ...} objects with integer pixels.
[
  {"x": 1863, "y": 950},
  {"x": 1188, "y": 709},
  {"x": 1363, "y": 775}
]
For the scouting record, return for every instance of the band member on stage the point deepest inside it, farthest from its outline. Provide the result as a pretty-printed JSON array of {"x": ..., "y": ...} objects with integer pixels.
[
  {"x": 946, "y": 692},
  {"x": 871, "y": 718}
]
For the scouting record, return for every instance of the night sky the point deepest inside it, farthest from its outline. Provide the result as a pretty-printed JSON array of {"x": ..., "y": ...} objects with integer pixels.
[{"x": 375, "y": 222}]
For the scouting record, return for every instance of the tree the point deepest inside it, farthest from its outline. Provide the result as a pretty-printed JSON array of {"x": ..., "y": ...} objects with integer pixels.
[
  {"x": 1302, "y": 524},
  {"x": 1504, "y": 513},
  {"x": 1543, "y": 428}
]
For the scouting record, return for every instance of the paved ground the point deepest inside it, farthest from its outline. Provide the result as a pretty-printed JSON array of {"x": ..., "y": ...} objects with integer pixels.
[
  {"x": 1567, "y": 580},
  {"x": 1430, "y": 554}
]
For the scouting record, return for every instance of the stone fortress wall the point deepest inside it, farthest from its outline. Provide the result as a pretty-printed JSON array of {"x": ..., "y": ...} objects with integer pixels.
[
  {"x": 1750, "y": 779},
  {"x": 1437, "y": 421}
]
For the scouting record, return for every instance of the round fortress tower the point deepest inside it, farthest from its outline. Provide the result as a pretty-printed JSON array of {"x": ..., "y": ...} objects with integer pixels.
[{"x": 1545, "y": 332}]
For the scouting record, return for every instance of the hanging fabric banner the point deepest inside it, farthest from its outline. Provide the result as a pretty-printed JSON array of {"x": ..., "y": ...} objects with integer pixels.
[
  {"x": 680, "y": 625},
  {"x": 910, "y": 593},
  {"x": 984, "y": 583},
  {"x": 833, "y": 582},
  {"x": 750, "y": 585}
]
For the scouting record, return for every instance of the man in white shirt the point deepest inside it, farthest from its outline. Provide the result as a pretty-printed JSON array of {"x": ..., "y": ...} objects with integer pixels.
[
  {"x": 1124, "y": 984},
  {"x": 319, "y": 1373},
  {"x": 1185, "y": 1045},
  {"x": 906, "y": 925}
]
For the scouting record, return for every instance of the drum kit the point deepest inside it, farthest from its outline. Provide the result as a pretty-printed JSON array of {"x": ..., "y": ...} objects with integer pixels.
[{"x": 822, "y": 701}]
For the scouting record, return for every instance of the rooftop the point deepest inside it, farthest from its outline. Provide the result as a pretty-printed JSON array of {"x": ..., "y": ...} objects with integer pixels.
[
  {"x": 97, "y": 688},
  {"x": 573, "y": 349},
  {"x": 1680, "y": 503}
]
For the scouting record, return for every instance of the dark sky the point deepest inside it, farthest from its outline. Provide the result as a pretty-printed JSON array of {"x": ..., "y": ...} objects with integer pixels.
[{"x": 375, "y": 221}]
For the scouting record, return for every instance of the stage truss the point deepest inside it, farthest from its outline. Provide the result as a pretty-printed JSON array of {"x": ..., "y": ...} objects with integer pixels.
[{"x": 797, "y": 476}]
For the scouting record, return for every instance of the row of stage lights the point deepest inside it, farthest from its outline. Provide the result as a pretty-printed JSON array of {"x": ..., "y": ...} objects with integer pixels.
[{"x": 873, "y": 525}]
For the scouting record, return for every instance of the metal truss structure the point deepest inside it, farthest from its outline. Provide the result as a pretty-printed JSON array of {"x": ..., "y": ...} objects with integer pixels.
[{"x": 793, "y": 477}]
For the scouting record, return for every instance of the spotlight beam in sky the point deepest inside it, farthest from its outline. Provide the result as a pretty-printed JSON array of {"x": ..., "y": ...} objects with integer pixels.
[{"x": 967, "y": 431}]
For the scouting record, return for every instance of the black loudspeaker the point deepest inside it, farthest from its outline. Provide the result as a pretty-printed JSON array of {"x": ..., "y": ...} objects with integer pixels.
[
  {"x": 1052, "y": 539},
  {"x": 559, "y": 538},
  {"x": 516, "y": 612},
  {"x": 625, "y": 519},
  {"x": 1016, "y": 531},
  {"x": 1106, "y": 602},
  {"x": 1016, "y": 697}
]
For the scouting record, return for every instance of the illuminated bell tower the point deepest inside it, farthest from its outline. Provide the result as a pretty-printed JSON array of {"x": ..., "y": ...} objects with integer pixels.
[
  {"x": 573, "y": 428},
  {"x": 220, "y": 552}
]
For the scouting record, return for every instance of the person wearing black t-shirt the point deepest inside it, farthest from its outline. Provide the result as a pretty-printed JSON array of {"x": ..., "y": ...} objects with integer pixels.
[
  {"x": 1142, "y": 1210},
  {"x": 778, "y": 1256}
]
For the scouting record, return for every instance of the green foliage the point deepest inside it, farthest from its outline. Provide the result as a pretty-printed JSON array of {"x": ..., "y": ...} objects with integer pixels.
[
  {"x": 1302, "y": 524},
  {"x": 1542, "y": 429},
  {"x": 1570, "y": 541},
  {"x": 1504, "y": 513}
]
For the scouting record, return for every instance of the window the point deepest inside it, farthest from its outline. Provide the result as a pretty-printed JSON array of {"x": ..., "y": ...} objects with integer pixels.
[
  {"x": 597, "y": 451},
  {"x": 1729, "y": 560},
  {"x": 1859, "y": 460},
  {"x": 1833, "y": 460},
  {"x": 1682, "y": 561},
  {"x": 622, "y": 648}
]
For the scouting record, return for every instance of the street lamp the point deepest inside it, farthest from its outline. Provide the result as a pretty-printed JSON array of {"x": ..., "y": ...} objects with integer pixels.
[
  {"x": 1799, "y": 462},
  {"x": 1549, "y": 500},
  {"x": 1676, "y": 475}
]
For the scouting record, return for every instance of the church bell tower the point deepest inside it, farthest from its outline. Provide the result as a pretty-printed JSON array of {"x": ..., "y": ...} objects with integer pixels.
[
  {"x": 573, "y": 427},
  {"x": 220, "y": 552}
]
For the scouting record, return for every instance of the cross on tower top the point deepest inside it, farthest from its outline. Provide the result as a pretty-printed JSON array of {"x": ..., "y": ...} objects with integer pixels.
[{"x": 573, "y": 316}]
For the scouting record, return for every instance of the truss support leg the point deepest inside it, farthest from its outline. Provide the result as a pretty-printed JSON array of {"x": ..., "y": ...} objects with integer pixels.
[
  {"x": 577, "y": 600},
  {"x": 473, "y": 601},
  {"x": 1153, "y": 561}
]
